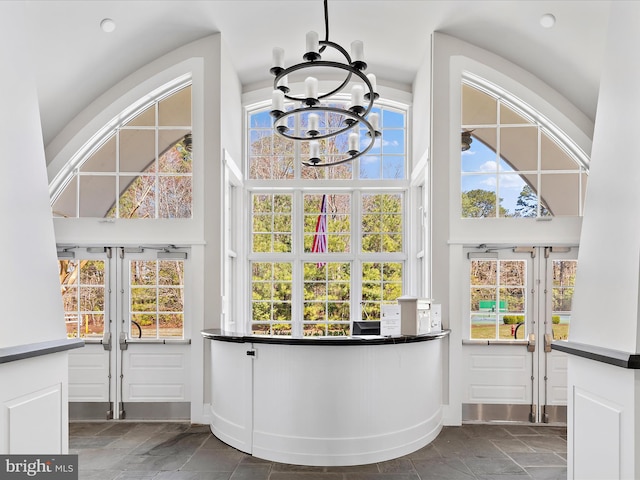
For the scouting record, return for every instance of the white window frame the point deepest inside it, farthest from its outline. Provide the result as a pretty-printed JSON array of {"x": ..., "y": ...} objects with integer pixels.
[{"x": 297, "y": 187}]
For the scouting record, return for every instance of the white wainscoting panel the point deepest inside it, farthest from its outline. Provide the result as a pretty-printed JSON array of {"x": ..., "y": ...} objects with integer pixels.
[
  {"x": 34, "y": 405},
  {"x": 89, "y": 374},
  {"x": 149, "y": 392},
  {"x": 498, "y": 393},
  {"x": 557, "y": 378},
  {"x": 597, "y": 422},
  {"x": 34, "y": 421},
  {"x": 156, "y": 373},
  {"x": 496, "y": 374}
]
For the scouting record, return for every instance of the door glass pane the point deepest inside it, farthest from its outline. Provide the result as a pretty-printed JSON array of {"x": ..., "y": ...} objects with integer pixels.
[
  {"x": 156, "y": 298},
  {"x": 82, "y": 284},
  {"x": 498, "y": 299},
  {"x": 564, "y": 277}
]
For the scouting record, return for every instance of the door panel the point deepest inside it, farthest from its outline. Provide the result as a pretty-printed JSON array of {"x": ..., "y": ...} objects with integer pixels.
[
  {"x": 118, "y": 374},
  {"x": 560, "y": 265},
  {"x": 509, "y": 378}
]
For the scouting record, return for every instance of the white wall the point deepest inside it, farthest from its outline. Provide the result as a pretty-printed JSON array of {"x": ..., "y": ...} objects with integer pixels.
[
  {"x": 607, "y": 286},
  {"x": 31, "y": 303},
  {"x": 33, "y": 397},
  {"x": 603, "y": 399},
  {"x": 421, "y": 110}
]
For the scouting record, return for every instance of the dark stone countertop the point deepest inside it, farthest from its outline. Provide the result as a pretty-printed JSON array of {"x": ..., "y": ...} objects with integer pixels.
[
  {"x": 224, "y": 336},
  {"x": 20, "y": 352}
]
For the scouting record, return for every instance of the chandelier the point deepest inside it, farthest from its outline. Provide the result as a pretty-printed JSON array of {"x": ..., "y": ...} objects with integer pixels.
[{"x": 311, "y": 103}]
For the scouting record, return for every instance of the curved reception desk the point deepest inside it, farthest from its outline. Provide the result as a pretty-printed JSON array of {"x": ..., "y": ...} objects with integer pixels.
[{"x": 326, "y": 401}]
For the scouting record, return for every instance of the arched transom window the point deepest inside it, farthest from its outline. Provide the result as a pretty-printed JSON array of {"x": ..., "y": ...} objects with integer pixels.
[
  {"x": 514, "y": 163},
  {"x": 140, "y": 167}
]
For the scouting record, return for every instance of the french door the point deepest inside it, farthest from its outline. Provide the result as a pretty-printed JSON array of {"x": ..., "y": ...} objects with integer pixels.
[
  {"x": 519, "y": 301},
  {"x": 128, "y": 305}
]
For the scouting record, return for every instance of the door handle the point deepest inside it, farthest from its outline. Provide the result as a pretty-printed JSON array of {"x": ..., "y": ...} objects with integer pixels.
[
  {"x": 123, "y": 341},
  {"x": 106, "y": 341},
  {"x": 547, "y": 342},
  {"x": 531, "y": 343}
]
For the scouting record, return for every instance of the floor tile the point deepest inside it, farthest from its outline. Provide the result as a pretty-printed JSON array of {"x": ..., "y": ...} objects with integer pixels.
[
  {"x": 548, "y": 473},
  {"x": 180, "y": 451},
  {"x": 492, "y": 466},
  {"x": 538, "y": 459},
  {"x": 443, "y": 469},
  {"x": 251, "y": 472},
  {"x": 543, "y": 443}
]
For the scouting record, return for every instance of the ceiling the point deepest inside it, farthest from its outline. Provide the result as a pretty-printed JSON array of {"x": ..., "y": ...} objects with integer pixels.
[{"x": 76, "y": 61}]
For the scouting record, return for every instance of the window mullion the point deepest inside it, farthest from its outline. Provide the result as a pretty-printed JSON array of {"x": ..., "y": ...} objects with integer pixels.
[{"x": 297, "y": 289}]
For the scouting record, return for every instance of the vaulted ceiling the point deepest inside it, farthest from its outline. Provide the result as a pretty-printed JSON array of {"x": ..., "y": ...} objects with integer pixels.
[{"x": 76, "y": 61}]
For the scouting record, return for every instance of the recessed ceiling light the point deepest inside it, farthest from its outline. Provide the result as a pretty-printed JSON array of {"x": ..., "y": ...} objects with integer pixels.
[
  {"x": 107, "y": 25},
  {"x": 547, "y": 20}
]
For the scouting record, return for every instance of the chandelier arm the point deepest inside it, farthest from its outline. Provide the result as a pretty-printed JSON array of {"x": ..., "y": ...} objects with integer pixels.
[
  {"x": 348, "y": 159},
  {"x": 370, "y": 95},
  {"x": 372, "y": 134},
  {"x": 321, "y": 108}
]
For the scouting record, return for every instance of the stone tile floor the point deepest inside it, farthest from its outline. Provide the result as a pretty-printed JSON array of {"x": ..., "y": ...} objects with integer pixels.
[{"x": 180, "y": 451}]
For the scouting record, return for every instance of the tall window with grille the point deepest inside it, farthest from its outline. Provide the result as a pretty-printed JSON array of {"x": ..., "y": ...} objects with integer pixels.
[{"x": 328, "y": 245}]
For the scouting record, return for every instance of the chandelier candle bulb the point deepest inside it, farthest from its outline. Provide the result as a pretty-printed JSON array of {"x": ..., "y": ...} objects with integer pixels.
[
  {"x": 281, "y": 125},
  {"x": 357, "y": 51},
  {"x": 314, "y": 149},
  {"x": 312, "y": 42},
  {"x": 357, "y": 99},
  {"x": 277, "y": 101},
  {"x": 278, "y": 57},
  {"x": 374, "y": 121},
  {"x": 372, "y": 80},
  {"x": 353, "y": 143},
  {"x": 314, "y": 122},
  {"x": 283, "y": 84},
  {"x": 311, "y": 87}
]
